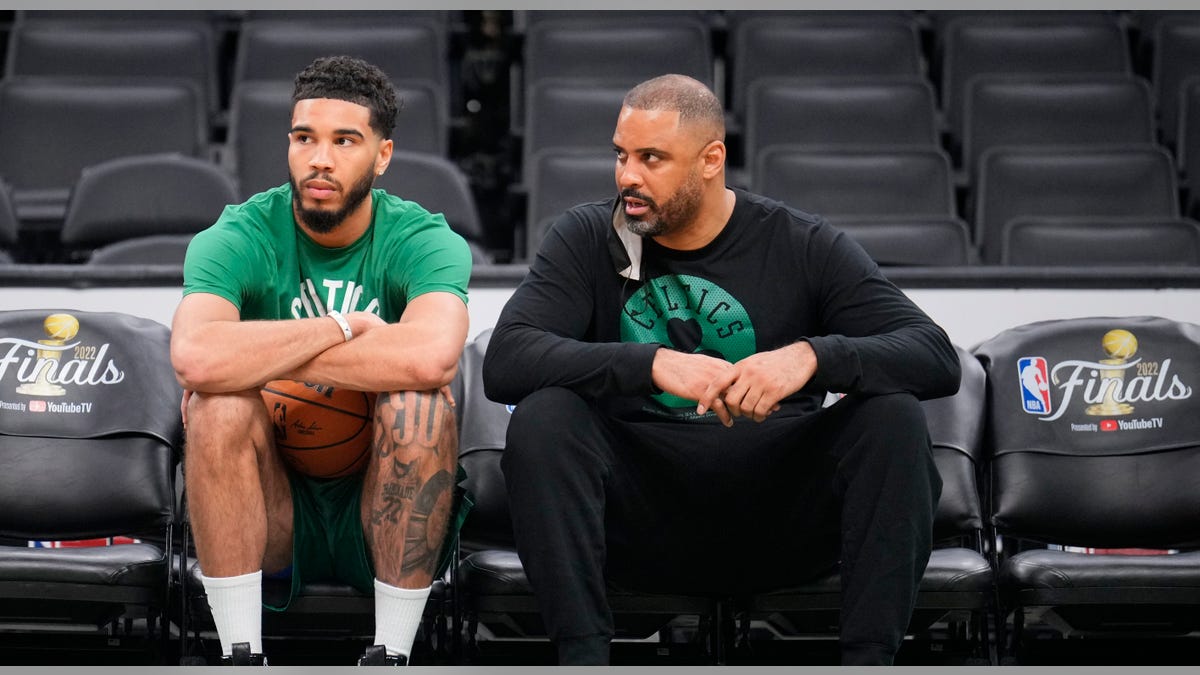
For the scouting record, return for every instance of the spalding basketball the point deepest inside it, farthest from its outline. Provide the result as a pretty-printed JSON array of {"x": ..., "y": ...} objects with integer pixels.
[{"x": 320, "y": 431}]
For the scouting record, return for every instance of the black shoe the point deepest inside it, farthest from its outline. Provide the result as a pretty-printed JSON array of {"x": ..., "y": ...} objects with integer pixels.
[
  {"x": 242, "y": 656},
  {"x": 376, "y": 655}
]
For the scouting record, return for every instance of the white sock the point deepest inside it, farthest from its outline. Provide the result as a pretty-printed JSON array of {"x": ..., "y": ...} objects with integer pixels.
[
  {"x": 398, "y": 616},
  {"x": 236, "y": 604}
]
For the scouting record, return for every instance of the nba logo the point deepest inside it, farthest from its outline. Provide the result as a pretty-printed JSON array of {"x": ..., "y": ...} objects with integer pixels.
[{"x": 1035, "y": 385}]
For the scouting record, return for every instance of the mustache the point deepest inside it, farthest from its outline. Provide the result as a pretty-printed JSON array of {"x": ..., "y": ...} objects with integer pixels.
[
  {"x": 317, "y": 175},
  {"x": 631, "y": 193}
]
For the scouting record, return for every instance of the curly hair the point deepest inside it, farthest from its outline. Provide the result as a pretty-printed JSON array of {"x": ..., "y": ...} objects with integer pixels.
[{"x": 349, "y": 79}]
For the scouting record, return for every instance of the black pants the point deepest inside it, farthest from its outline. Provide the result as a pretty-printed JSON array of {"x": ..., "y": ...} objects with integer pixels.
[{"x": 700, "y": 508}]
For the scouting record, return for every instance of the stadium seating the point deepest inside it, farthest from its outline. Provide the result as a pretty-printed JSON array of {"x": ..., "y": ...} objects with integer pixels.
[
  {"x": 1108, "y": 181},
  {"x": 1064, "y": 110},
  {"x": 89, "y": 444},
  {"x": 1176, "y": 48},
  {"x": 437, "y": 184},
  {"x": 975, "y": 45},
  {"x": 142, "y": 196},
  {"x": 1093, "y": 442},
  {"x": 45, "y": 144},
  {"x": 560, "y": 179},
  {"x": 838, "y": 113},
  {"x": 570, "y": 114},
  {"x": 821, "y": 46},
  {"x": 1088, "y": 242},
  {"x": 9, "y": 228}
]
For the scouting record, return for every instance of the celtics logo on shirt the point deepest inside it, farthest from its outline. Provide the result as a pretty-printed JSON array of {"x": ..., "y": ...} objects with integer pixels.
[{"x": 691, "y": 315}]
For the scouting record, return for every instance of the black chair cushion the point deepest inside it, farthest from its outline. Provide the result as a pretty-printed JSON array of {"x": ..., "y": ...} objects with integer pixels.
[
  {"x": 1053, "y": 569},
  {"x": 121, "y": 565}
]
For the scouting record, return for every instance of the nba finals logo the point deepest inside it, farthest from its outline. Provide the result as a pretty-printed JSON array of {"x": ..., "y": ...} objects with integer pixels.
[
  {"x": 1109, "y": 386},
  {"x": 44, "y": 366}
]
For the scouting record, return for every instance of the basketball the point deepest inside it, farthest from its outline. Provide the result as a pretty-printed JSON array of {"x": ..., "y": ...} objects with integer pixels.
[
  {"x": 1119, "y": 343},
  {"x": 320, "y": 431}
]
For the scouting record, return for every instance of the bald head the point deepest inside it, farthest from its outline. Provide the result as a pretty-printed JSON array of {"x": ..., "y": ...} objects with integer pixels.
[{"x": 698, "y": 108}]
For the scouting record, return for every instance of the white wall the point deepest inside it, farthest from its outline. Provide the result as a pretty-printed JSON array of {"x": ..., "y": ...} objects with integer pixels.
[{"x": 968, "y": 315}]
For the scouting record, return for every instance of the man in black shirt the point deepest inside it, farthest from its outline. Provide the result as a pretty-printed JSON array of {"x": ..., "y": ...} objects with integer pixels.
[{"x": 669, "y": 352}]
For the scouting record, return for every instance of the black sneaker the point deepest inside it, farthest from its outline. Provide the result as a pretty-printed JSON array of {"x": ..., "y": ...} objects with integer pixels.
[
  {"x": 376, "y": 655},
  {"x": 242, "y": 657}
]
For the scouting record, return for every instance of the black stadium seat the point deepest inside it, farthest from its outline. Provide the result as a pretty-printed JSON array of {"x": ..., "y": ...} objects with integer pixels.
[
  {"x": 144, "y": 195},
  {"x": 1108, "y": 181},
  {"x": 560, "y": 179},
  {"x": 89, "y": 444},
  {"x": 1085, "y": 242},
  {"x": 1095, "y": 445}
]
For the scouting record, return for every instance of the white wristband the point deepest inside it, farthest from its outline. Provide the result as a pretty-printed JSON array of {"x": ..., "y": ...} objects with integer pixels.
[{"x": 342, "y": 323}]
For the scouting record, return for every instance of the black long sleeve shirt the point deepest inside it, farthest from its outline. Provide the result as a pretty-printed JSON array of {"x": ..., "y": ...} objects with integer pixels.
[{"x": 773, "y": 276}]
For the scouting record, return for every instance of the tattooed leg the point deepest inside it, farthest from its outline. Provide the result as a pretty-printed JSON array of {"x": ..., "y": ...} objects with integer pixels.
[{"x": 408, "y": 489}]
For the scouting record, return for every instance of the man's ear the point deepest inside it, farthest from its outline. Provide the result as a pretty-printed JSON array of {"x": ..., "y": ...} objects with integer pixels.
[
  {"x": 713, "y": 156},
  {"x": 384, "y": 157}
]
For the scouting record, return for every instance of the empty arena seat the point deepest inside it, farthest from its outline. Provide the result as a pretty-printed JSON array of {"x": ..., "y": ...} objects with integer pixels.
[
  {"x": 144, "y": 195},
  {"x": 857, "y": 181},
  {"x": 1187, "y": 151},
  {"x": 561, "y": 179},
  {"x": 1109, "y": 181},
  {"x": 1175, "y": 53},
  {"x": 1054, "y": 110},
  {"x": 440, "y": 186},
  {"x": 45, "y": 142},
  {"x": 913, "y": 241},
  {"x": 90, "y": 437},
  {"x": 1094, "y": 445},
  {"x": 567, "y": 113},
  {"x": 9, "y": 228},
  {"x": 820, "y": 45},
  {"x": 975, "y": 45},
  {"x": 838, "y": 113},
  {"x": 1083, "y": 241}
]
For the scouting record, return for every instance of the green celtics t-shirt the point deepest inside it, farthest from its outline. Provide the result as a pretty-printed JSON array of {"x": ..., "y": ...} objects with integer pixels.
[{"x": 258, "y": 258}]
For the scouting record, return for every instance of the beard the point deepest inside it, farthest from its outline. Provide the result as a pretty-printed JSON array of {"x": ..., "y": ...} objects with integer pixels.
[
  {"x": 673, "y": 214},
  {"x": 324, "y": 221}
]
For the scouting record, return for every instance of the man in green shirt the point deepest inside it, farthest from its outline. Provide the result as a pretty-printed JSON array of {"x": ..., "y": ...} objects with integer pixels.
[{"x": 323, "y": 280}]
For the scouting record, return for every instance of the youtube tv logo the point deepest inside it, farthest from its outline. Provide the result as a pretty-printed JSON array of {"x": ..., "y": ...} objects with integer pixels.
[{"x": 1108, "y": 425}]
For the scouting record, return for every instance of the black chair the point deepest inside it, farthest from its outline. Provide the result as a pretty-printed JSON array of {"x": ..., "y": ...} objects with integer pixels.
[
  {"x": 857, "y": 181},
  {"x": 914, "y": 241},
  {"x": 1063, "y": 110},
  {"x": 956, "y": 593},
  {"x": 820, "y": 45},
  {"x": 1088, "y": 242},
  {"x": 1176, "y": 49},
  {"x": 440, "y": 186},
  {"x": 154, "y": 249},
  {"x": 261, "y": 114},
  {"x": 142, "y": 196},
  {"x": 9, "y": 227},
  {"x": 90, "y": 437},
  {"x": 1187, "y": 150},
  {"x": 1108, "y": 181},
  {"x": 838, "y": 113},
  {"x": 1094, "y": 444},
  {"x": 569, "y": 114},
  {"x": 975, "y": 45},
  {"x": 131, "y": 50},
  {"x": 491, "y": 589},
  {"x": 560, "y": 179},
  {"x": 412, "y": 50},
  {"x": 51, "y": 129}
]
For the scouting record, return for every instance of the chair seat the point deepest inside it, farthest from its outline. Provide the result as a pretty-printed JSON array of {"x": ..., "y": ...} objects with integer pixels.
[
  {"x": 493, "y": 572},
  {"x": 122, "y": 565},
  {"x": 1051, "y": 569}
]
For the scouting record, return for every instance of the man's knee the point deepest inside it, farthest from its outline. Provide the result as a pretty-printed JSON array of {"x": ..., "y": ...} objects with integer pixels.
[
  {"x": 216, "y": 421},
  {"x": 896, "y": 416},
  {"x": 418, "y": 419},
  {"x": 544, "y": 418}
]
